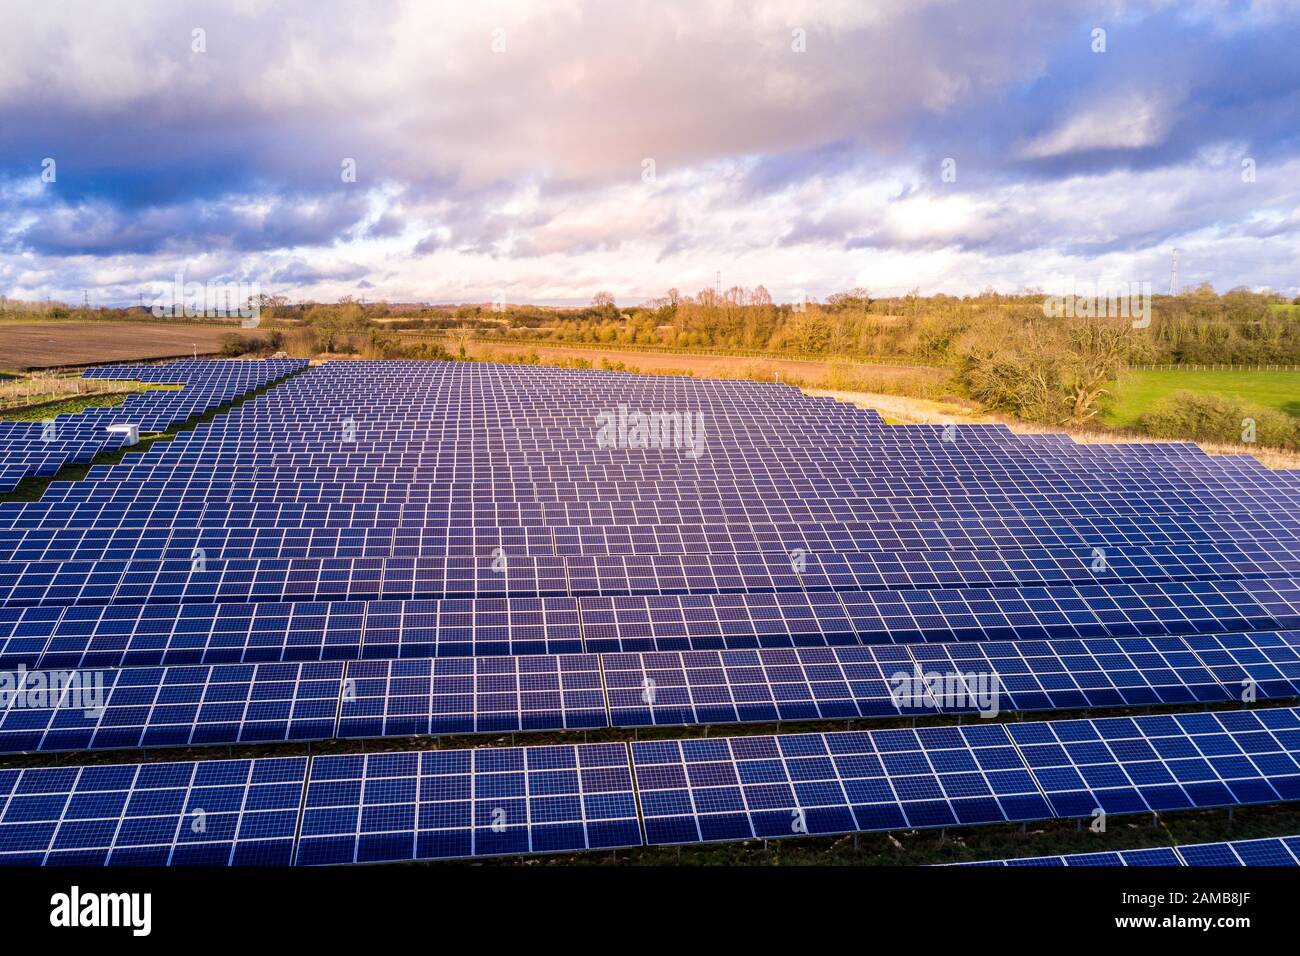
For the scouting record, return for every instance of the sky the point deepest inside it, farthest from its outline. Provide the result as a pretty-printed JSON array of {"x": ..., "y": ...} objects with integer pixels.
[{"x": 546, "y": 150}]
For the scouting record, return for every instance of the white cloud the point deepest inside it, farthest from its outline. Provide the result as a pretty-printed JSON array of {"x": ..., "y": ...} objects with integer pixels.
[{"x": 1132, "y": 122}]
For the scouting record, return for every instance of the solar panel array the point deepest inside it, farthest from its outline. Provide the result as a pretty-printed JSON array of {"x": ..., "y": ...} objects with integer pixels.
[
  {"x": 40, "y": 449},
  {"x": 393, "y": 548}
]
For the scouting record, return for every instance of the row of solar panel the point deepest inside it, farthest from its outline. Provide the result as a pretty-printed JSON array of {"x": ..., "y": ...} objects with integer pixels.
[
  {"x": 328, "y": 511},
  {"x": 533, "y": 424},
  {"x": 159, "y": 634},
  {"x": 422, "y": 485},
  {"x": 857, "y": 501},
  {"x": 287, "y": 533},
  {"x": 482, "y": 475},
  {"x": 188, "y": 370},
  {"x": 569, "y": 453},
  {"x": 283, "y": 434},
  {"x": 1080, "y": 495},
  {"x": 789, "y": 451},
  {"x": 533, "y": 485},
  {"x": 278, "y": 434},
  {"x": 242, "y": 703},
  {"x": 1270, "y": 851},
  {"x": 551, "y": 449},
  {"x": 489, "y": 801},
  {"x": 290, "y": 534},
  {"x": 203, "y": 577},
  {"x": 458, "y": 430}
]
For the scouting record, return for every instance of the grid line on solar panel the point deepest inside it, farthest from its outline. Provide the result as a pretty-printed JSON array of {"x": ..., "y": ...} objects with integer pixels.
[
  {"x": 844, "y": 480},
  {"x": 834, "y": 475},
  {"x": 688, "y": 505}
]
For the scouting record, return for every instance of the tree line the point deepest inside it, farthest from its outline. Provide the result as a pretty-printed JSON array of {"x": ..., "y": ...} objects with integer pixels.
[{"x": 1009, "y": 352}]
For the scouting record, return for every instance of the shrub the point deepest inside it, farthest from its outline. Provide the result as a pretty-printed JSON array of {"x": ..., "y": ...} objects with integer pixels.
[
  {"x": 233, "y": 345},
  {"x": 1193, "y": 416}
]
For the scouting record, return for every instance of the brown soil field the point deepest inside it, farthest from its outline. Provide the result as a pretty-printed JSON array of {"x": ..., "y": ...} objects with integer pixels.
[{"x": 29, "y": 345}]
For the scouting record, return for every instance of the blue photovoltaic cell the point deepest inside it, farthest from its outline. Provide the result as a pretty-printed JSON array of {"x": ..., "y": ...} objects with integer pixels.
[
  {"x": 464, "y": 628},
  {"x": 1091, "y": 672},
  {"x": 212, "y": 813},
  {"x": 1153, "y": 856},
  {"x": 153, "y": 635},
  {"x": 468, "y": 803},
  {"x": 24, "y": 634}
]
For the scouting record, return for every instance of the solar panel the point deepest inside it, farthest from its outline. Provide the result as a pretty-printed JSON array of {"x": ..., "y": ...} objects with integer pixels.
[
  {"x": 174, "y": 707},
  {"x": 472, "y": 695},
  {"x": 747, "y": 787},
  {"x": 209, "y": 813},
  {"x": 1283, "y": 851},
  {"x": 288, "y": 531},
  {"x": 468, "y": 803},
  {"x": 815, "y": 784}
]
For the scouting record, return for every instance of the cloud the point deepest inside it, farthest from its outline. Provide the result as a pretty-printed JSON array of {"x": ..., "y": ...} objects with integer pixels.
[
  {"x": 504, "y": 146},
  {"x": 1134, "y": 123}
]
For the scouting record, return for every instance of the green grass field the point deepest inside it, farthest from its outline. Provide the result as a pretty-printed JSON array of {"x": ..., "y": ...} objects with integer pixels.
[
  {"x": 69, "y": 407},
  {"x": 1138, "y": 391}
]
